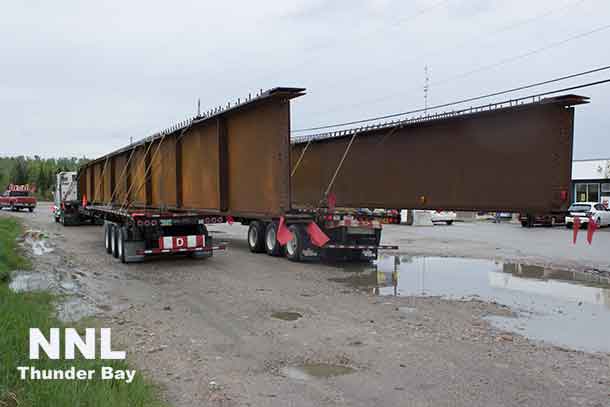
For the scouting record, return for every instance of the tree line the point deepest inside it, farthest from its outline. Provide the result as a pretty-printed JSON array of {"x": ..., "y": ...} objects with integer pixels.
[{"x": 36, "y": 170}]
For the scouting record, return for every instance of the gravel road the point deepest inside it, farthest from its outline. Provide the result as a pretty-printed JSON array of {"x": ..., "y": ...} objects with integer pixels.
[{"x": 204, "y": 331}]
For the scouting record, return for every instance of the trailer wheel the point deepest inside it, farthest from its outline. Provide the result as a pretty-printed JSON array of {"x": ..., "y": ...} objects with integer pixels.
[
  {"x": 294, "y": 247},
  {"x": 31, "y": 209},
  {"x": 272, "y": 246},
  {"x": 107, "y": 232},
  {"x": 113, "y": 241},
  {"x": 121, "y": 237},
  {"x": 256, "y": 237}
]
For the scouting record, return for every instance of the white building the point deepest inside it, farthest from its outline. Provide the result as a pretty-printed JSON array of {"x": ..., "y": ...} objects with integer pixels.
[{"x": 591, "y": 180}]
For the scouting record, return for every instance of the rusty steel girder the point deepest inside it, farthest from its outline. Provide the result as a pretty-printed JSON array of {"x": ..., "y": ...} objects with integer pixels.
[
  {"x": 514, "y": 157},
  {"x": 231, "y": 161}
]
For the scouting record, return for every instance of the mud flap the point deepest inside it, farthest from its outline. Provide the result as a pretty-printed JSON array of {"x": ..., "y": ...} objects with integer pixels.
[{"x": 131, "y": 247}]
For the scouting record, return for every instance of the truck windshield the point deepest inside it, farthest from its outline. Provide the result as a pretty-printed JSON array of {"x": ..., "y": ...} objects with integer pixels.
[
  {"x": 19, "y": 193},
  {"x": 580, "y": 208}
]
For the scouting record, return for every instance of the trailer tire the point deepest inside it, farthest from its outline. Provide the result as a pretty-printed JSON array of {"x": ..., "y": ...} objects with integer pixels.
[
  {"x": 113, "y": 241},
  {"x": 256, "y": 237},
  {"x": 107, "y": 232},
  {"x": 294, "y": 248},
  {"x": 31, "y": 209},
  {"x": 121, "y": 237},
  {"x": 272, "y": 246}
]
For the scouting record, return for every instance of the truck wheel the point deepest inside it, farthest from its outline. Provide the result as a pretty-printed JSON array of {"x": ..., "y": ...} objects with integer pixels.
[
  {"x": 272, "y": 246},
  {"x": 294, "y": 248},
  {"x": 449, "y": 222},
  {"x": 256, "y": 237},
  {"x": 107, "y": 231},
  {"x": 120, "y": 240},
  {"x": 116, "y": 238},
  {"x": 31, "y": 209},
  {"x": 113, "y": 241}
]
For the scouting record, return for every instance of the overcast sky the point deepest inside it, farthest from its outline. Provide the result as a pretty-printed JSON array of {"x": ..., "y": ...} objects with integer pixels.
[{"x": 81, "y": 78}]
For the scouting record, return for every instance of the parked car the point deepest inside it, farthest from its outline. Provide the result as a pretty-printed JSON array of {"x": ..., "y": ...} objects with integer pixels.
[
  {"x": 439, "y": 216},
  {"x": 529, "y": 220},
  {"x": 18, "y": 198},
  {"x": 588, "y": 210}
]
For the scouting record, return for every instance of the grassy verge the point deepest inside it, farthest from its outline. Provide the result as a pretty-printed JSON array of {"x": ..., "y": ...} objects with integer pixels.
[{"x": 18, "y": 313}]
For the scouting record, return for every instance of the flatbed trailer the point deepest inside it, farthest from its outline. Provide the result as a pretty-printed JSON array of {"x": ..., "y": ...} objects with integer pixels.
[
  {"x": 231, "y": 164},
  {"x": 300, "y": 197}
]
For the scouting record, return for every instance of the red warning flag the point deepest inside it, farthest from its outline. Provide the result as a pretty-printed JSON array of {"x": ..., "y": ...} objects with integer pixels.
[
  {"x": 230, "y": 220},
  {"x": 316, "y": 235},
  {"x": 84, "y": 201},
  {"x": 283, "y": 233},
  {"x": 576, "y": 227},
  {"x": 591, "y": 228}
]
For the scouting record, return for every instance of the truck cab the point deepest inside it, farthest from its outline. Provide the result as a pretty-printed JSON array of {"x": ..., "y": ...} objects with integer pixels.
[
  {"x": 65, "y": 209},
  {"x": 18, "y": 197}
]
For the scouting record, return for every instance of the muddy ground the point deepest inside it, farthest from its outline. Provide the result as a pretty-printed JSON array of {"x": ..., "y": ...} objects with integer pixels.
[{"x": 204, "y": 331}]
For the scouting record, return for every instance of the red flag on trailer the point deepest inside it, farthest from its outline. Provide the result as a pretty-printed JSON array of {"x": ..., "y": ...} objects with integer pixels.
[
  {"x": 591, "y": 228},
  {"x": 576, "y": 227},
  {"x": 230, "y": 220},
  {"x": 316, "y": 235},
  {"x": 332, "y": 201},
  {"x": 283, "y": 233},
  {"x": 84, "y": 201}
]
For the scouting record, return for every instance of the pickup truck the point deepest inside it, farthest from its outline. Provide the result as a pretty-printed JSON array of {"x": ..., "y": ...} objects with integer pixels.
[{"x": 17, "y": 199}]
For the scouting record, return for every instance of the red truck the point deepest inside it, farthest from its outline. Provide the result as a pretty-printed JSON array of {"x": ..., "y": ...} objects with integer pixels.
[{"x": 18, "y": 197}]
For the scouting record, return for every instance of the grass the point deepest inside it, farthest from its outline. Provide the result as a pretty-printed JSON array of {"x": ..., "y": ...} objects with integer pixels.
[
  {"x": 21, "y": 311},
  {"x": 10, "y": 229}
]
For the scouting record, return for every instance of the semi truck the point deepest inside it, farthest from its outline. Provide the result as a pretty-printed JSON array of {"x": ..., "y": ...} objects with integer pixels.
[{"x": 302, "y": 198}]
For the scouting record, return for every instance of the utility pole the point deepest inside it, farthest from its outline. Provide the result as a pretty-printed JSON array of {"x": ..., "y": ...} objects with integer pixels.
[
  {"x": 198, "y": 107},
  {"x": 426, "y": 88}
]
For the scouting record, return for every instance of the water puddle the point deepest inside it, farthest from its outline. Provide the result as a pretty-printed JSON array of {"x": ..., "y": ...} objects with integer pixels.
[
  {"x": 25, "y": 282},
  {"x": 74, "y": 309},
  {"x": 309, "y": 371},
  {"x": 38, "y": 241},
  {"x": 70, "y": 308},
  {"x": 565, "y": 308},
  {"x": 286, "y": 316}
]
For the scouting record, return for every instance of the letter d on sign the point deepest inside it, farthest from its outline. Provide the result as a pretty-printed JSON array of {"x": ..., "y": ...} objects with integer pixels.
[
  {"x": 38, "y": 340},
  {"x": 106, "y": 351}
]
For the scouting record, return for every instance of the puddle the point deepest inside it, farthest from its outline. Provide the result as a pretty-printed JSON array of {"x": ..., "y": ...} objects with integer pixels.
[
  {"x": 38, "y": 241},
  {"x": 24, "y": 281},
  {"x": 71, "y": 308},
  {"x": 565, "y": 308},
  {"x": 286, "y": 316},
  {"x": 74, "y": 309},
  {"x": 309, "y": 371}
]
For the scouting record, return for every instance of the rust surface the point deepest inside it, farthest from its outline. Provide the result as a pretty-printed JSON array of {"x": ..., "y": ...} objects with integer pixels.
[
  {"x": 510, "y": 159},
  {"x": 234, "y": 161}
]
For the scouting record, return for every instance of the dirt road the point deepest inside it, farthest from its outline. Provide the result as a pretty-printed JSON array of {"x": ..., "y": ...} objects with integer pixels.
[{"x": 204, "y": 331}]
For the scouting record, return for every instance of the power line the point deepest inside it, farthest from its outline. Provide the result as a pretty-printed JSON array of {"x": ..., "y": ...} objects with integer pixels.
[
  {"x": 469, "y": 42},
  {"x": 494, "y": 65},
  {"x": 472, "y": 99}
]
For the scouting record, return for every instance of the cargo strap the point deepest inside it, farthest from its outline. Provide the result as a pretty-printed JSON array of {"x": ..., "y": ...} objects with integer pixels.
[
  {"x": 126, "y": 202},
  {"x": 332, "y": 181},
  {"x": 300, "y": 158},
  {"x": 116, "y": 187}
]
